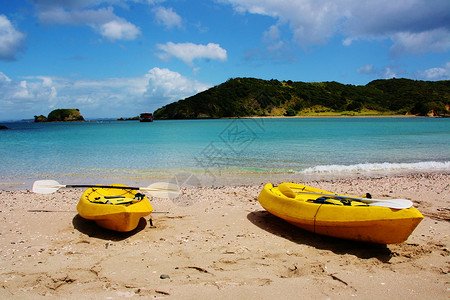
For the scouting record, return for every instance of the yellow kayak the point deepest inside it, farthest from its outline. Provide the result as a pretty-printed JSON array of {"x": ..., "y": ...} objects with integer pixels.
[
  {"x": 339, "y": 216},
  {"x": 114, "y": 209}
]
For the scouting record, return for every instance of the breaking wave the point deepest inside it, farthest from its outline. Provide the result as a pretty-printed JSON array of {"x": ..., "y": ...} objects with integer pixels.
[{"x": 380, "y": 167}]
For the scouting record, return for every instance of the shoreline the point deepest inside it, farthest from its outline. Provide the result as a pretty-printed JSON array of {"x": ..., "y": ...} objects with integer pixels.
[
  {"x": 218, "y": 242},
  {"x": 334, "y": 116},
  {"x": 319, "y": 116},
  {"x": 305, "y": 117},
  {"x": 197, "y": 180},
  {"x": 246, "y": 117}
]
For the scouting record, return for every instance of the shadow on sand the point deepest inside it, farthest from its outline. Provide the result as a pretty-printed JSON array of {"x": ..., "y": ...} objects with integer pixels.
[
  {"x": 281, "y": 228},
  {"x": 91, "y": 229}
]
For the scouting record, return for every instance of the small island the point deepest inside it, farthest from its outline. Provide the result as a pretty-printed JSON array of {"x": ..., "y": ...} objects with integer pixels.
[{"x": 61, "y": 115}]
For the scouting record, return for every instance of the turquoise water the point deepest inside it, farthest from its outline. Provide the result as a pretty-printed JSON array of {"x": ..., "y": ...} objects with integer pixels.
[{"x": 132, "y": 151}]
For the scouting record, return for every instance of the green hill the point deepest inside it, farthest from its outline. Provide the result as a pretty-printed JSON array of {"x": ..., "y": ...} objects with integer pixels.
[{"x": 243, "y": 97}]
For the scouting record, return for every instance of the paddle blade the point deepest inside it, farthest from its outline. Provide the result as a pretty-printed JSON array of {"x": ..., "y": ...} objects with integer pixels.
[
  {"x": 392, "y": 203},
  {"x": 46, "y": 186},
  {"x": 163, "y": 190}
]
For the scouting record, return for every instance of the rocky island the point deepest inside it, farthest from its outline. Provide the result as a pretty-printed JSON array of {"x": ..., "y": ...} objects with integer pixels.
[{"x": 60, "y": 115}]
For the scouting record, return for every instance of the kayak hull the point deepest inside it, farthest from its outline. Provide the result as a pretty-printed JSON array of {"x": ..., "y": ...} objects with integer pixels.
[
  {"x": 114, "y": 209},
  {"x": 358, "y": 221}
]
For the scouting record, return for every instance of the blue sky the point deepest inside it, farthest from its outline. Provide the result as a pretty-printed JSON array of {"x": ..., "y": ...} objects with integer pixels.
[{"x": 117, "y": 58}]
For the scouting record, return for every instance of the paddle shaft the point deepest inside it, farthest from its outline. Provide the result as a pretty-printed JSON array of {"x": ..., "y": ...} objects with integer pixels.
[
  {"x": 367, "y": 200},
  {"x": 102, "y": 186},
  {"x": 157, "y": 189}
]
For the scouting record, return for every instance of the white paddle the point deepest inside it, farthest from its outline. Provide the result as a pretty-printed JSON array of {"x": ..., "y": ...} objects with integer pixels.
[
  {"x": 391, "y": 203},
  {"x": 157, "y": 189}
]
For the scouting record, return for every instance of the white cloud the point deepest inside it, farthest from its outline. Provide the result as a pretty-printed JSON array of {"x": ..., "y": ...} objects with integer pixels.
[
  {"x": 4, "y": 79},
  {"x": 414, "y": 26},
  {"x": 80, "y": 13},
  {"x": 119, "y": 30},
  {"x": 59, "y": 15},
  {"x": 71, "y": 4},
  {"x": 385, "y": 72},
  {"x": 165, "y": 86},
  {"x": 272, "y": 34},
  {"x": 110, "y": 97},
  {"x": 273, "y": 43},
  {"x": 23, "y": 95},
  {"x": 310, "y": 21},
  {"x": 188, "y": 52},
  {"x": 12, "y": 41},
  {"x": 389, "y": 73},
  {"x": 167, "y": 17},
  {"x": 348, "y": 41},
  {"x": 442, "y": 73},
  {"x": 437, "y": 40},
  {"x": 275, "y": 47},
  {"x": 367, "y": 69}
]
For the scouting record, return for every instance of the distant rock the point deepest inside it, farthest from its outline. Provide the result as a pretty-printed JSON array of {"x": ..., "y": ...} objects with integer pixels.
[
  {"x": 61, "y": 115},
  {"x": 39, "y": 119},
  {"x": 3, "y": 127}
]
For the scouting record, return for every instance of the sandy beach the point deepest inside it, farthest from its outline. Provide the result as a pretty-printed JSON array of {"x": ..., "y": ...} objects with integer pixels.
[{"x": 217, "y": 243}]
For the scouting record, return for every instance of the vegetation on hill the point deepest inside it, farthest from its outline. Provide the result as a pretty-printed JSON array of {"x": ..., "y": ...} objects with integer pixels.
[
  {"x": 242, "y": 97},
  {"x": 61, "y": 115}
]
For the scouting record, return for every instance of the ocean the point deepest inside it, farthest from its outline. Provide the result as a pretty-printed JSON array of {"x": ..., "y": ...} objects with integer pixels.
[{"x": 225, "y": 151}]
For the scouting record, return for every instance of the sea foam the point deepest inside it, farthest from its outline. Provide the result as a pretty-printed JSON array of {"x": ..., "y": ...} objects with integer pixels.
[{"x": 380, "y": 167}]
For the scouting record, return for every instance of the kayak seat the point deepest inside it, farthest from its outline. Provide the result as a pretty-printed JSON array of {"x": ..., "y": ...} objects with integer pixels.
[
  {"x": 114, "y": 200},
  {"x": 337, "y": 201},
  {"x": 287, "y": 191},
  {"x": 284, "y": 189},
  {"x": 327, "y": 200},
  {"x": 118, "y": 200}
]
